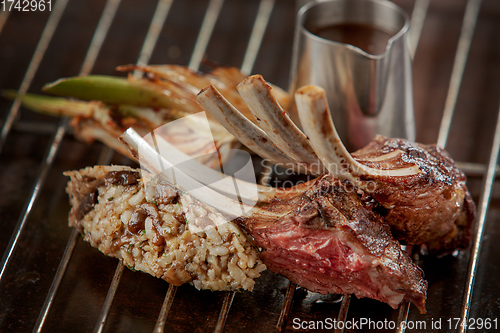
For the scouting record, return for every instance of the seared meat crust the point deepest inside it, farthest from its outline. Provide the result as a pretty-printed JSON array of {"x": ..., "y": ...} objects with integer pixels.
[
  {"x": 433, "y": 206},
  {"x": 327, "y": 240}
]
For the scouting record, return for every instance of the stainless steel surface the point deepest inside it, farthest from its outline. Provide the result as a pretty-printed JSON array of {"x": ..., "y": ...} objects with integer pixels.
[
  {"x": 76, "y": 291},
  {"x": 368, "y": 94}
]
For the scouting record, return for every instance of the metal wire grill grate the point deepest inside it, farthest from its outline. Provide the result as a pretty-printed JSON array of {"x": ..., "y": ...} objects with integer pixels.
[{"x": 290, "y": 301}]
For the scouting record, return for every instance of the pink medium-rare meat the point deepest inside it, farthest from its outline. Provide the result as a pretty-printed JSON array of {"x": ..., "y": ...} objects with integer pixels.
[{"x": 328, "y": 240}]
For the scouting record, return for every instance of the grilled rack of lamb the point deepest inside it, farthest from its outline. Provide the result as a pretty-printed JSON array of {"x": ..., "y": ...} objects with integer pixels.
[
  {"x": 419, "y": 191},
  {"x": 324, "y": 235},
  {"x": 337, "y": 233}
]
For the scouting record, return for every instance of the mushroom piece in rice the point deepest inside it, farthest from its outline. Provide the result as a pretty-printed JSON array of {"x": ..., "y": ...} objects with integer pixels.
[{"x": 154, "y": 228}]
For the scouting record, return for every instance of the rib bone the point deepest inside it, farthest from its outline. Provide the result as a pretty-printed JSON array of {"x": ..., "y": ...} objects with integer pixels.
[
  {"x": 211, "y": 186},
  {"x": 318, "y": 125},
  {"x": 275, "y": 122},
  {"x": 158, "y": 165},
  {"x": 242, "y": 128}
]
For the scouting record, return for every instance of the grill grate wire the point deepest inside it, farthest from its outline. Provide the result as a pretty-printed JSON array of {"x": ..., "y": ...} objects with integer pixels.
[
  {"x": 45, "y": 39},
  {"x": 207, "y": 27},
  {"x": 484, "y": 202}
]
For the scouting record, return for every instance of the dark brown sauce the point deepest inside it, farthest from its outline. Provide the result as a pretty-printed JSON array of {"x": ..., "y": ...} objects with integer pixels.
[{"x": 366, "y": 37}]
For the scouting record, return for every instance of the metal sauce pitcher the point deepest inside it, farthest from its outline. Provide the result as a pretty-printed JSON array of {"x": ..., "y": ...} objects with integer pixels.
[{"x": 368, "y": 94}]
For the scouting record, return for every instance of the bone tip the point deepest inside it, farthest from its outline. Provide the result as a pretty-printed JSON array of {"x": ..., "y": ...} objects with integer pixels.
[
  {"x": 130, "y": 144},
  {"x": 203, "y": 91},
  {"x": 208, "y": 90},
  {"x": 129, "y": 132},
  {"x": 253, "y": 81},
  {"x": 311, "y": 91}
]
